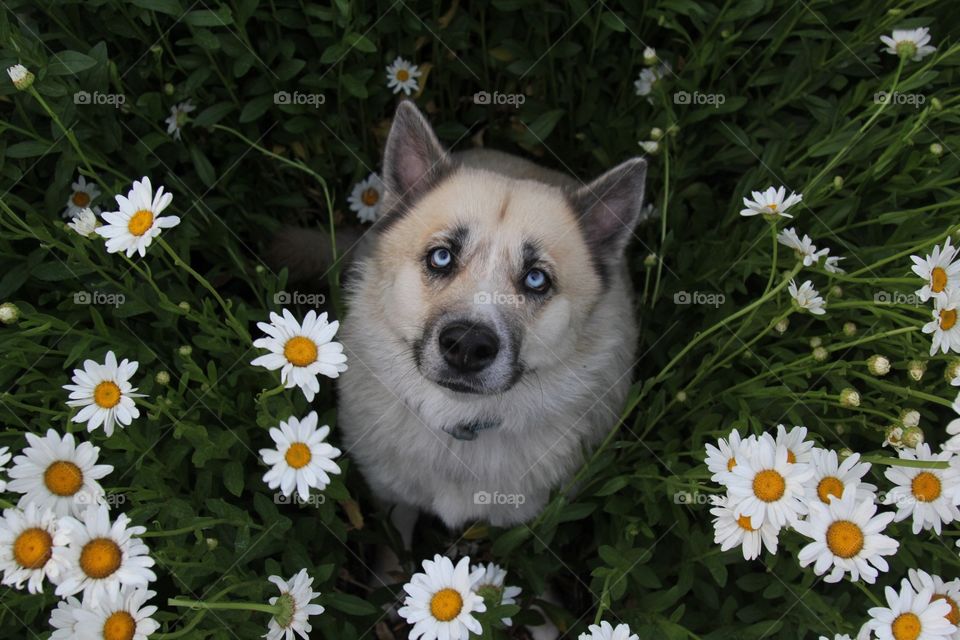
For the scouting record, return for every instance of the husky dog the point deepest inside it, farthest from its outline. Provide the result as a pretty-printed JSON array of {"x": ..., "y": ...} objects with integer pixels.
[{"x": 490, "y": 331}]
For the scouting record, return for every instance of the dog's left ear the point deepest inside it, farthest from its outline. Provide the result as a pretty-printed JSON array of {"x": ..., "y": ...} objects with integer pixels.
[
  {"x": 413, "y": 159},
  {"x": 609, "y": 208}
]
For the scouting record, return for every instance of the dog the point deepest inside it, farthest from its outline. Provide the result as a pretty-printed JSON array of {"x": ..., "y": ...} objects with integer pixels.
[{"x": 490, "y": 329}]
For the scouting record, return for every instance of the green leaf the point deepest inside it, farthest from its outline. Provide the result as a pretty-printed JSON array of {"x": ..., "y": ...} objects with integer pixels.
[
  {"x": 233, "y": 477},
  {"x": 204, "y": 169},
  {"x": 70, "y": 63},
  {"x": 348, "y": 604},
  {"x": 207, "y": 18},
  {"x": 170, "y": 7}
]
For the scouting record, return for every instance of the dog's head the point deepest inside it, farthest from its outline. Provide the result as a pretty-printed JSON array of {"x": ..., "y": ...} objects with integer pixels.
[{"x": 485, "y": 277}]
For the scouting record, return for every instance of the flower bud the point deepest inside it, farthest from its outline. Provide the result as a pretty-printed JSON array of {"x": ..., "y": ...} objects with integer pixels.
[
  {"x": 650, "y": 146},
  {"x": 910, "y": 417},
  {"x": 681, "y": 396},
  {"x": 844, "y": 453},
  {"x": 22, "y": 78},
  {"x": 913, "y": 437},
  {"x": 916, "y": 369},
  {"x": 836, "y": 291},
  {"x": 212, "y": 543},
  {"x": 952, "y": 371},
  {"x": 9, "y": 313},
  {"x": 820, "y": 354},
  {"x": 782, "y": 326},
  {"x": 168, "y": 89},
  {"x": 162, "y": 378},
  {"x": 849, "y": 397},
  {"x": 185, "y": 306},
  {"x": 656, "y": 133},
  {"x": 936, "y": 105},
  {"x": 878, "y": 365},
  {"x": 849, "y": 329},
  {"x": 815, "y": 342},
  {"x": 893, "y": 437},
  {"x": 936, "y": 149},
  {"x": 649, "y": 56},
  {"x": 838, "y": 182},
  {"x": 650, "y": 260},
  {"x": 185, "y": 350}
]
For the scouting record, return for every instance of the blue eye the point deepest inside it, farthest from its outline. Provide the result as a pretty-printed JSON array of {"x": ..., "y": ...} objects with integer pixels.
[
  {"x": 441, "y": 258},
  {"x": 536, "y": 280}
]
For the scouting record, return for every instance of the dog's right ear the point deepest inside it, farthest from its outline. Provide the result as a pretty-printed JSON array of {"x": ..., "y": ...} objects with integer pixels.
[{"x": 414, "y": 160}]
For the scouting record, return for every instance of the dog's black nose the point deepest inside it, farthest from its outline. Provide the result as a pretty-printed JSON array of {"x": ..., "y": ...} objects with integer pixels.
[{"x": 468, "y": 347}]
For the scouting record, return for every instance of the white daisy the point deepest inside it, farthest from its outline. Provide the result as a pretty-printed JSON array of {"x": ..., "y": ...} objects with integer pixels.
[
  {"x": 832, "y": 478},
  {"x": 138, "y": 220},
  {"x": 20, "y": 76},
  {"x": 402, "y": 76},
  {"x": 63, "y": 619},
  {"x": 5, "y": 456},
  {"x": 772, "y": 202},
  {"x": 798, "y": 448},
  {"x": 770, "y": 487},
  {"x": 490, "y": 581},
  {"x": 910, "y": 615},
  {"x": 734, "y": 529},
  {"x": 32, "y": 547},
  {"x": 296, "y": 608},
  {"x": 831, "y": 264},
  {"x": 178, "y": 117},
  {"x": 82, "y": 196},
  {"x": 909, "y": 43},
  {"x": 721, "y": 459},
  {"x": 440, "y": 601},
  {"x": 105, "y": 393},
  {"x": 927, "y": 494},
  {"x": 366, "y": 197},
  {"x": 103, "y": 557},
  {"x": 944, "y": 327},
  {"x": 649, "y": 77},
  {"x": 85, "y": 222},
  {"x": 606, "y": 631},
  {"x": 940, "y": 271},
  {"x": 946, "y": 591},
  {"x": 120, "y": 616},
  {"x": 301, "y": 352},
  {"x": 803, "y": 246},
  {"x": 806, "y": 297},
  {"x": 55, "y": 473},
  {"x": 302, "y": 458},
  {"x": 847, "y": 536}
]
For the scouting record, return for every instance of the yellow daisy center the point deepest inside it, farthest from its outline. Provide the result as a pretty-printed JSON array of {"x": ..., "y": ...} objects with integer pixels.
[
  {"x": 844, "y": 538},
  {"x": 300, "y": 351},
  {"x": 33, "y": 548},
  {"x": 140, "y": 222},
  {"x": 954, "y": 616},
  {"x": 926, "y": 487},
  {"x": 370, "y": 196},
  {"x": 119, "y": 626},
  {"x": 829, "y": 486},
  {"x": 938, "y": 279},
  {"x": 769, "y": 486},
  {"x": 446, "y": 604},
  {"x": 100, "y": 558},
  {"x": 745, "y": 523},
  {"x": 63, "y": 478},
  {"x": 107, "y": 394},
  {"x": 81, "y": 198},
  {"x": 948, "y": 318},
  {"x": 298, "y": 455},
  {"x": 906, "y": 626},
  {"x": 731, "y": 463},
  {"x": 403, "y": 75}
]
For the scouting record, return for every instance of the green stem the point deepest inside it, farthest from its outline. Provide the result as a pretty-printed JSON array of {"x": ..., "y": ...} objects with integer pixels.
[
  {"x": 900, "y": 462},
  {"x": 225, "y": 606}
]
